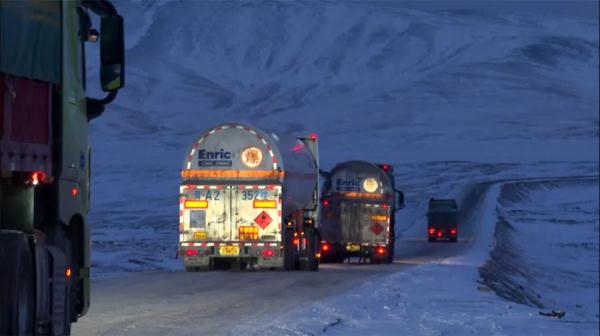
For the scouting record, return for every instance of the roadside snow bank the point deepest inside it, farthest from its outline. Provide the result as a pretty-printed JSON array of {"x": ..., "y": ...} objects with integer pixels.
[{"x": 546, "y": 252}]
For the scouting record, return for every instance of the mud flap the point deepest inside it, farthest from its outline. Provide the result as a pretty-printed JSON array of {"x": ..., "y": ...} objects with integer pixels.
[
  {"x": 59, "y": 291},
  {"x": 312, "y": 247},
  {"x": 289, "y": 255}
]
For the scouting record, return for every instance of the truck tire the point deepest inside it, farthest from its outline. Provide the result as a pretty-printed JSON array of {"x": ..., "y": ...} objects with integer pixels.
[
  {"x": 289, "y": 258},
  {"x": 312, "y": 247},
  {"x": 391, "y": 253},
  {"x": 17, "y": 285}
]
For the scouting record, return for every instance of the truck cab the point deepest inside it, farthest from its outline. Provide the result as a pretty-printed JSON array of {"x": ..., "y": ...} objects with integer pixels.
[
  {"x": 45, "y": 156},
  {"x": 442, "y": 220}
]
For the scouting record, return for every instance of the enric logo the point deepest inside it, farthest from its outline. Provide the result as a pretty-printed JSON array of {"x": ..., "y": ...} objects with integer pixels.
[
  {"x": 218, "y": 155},
  {"x": 347, "y": 183},
  {"x": 220, "y": 158}
]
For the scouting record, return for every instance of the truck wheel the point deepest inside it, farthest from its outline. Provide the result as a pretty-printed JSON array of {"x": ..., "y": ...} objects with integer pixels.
[
  {"x": 312, "y": 246},
  {"x": 17, "y": 287},
  {"x": 289, "y": 260},
  {"x": 391, "y": 253}
]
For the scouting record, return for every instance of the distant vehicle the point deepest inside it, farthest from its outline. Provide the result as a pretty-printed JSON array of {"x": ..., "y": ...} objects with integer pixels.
[
  {"x": 45, "y": 157},
  {"x": 249, "y": 200},
  {"x": 442, "y": 220},
  {"x": 358, "y": 212}
]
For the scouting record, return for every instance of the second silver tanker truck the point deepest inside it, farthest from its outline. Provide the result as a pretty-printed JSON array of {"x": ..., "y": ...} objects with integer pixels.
[
  {"x": 249, "y": 199},
  {"x": 358, "y": 212}
]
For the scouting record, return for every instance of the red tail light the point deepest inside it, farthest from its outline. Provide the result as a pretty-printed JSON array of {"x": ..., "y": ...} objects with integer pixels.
[
  {"x": 385, "y": 206},
  {"x": 385, "y": 166},
  {"x": 191, "y": 253},
  {"x": 380, "y": 250},
  {"x": 431, "y": 231},
  {"x": 453, "y": 231},
  {"x": 38, "y": 177},
  {"x": 267, "y": 253},
  {"x": 439, "y": 234},
  {"x": 296, "y": 241},
  {"x": 324, "y": 247},
  {"x": 326, "y": 202}
]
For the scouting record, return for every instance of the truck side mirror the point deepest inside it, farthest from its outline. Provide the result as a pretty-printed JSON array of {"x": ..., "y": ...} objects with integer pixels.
[
  {"x": 112, "y": 53},
  {"x": 400, "y": 200}
]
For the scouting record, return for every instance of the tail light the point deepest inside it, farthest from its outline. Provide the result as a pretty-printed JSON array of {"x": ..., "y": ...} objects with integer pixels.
[
  {"x": 325, "y": 202},
  {"x": 325, "y": 247},
  {"x": 38, "y": 177},
  {"x": 380, "y": 250},
  {"x": 267, "y": 253},
  {"x": 431, "y": 231},
  {"x": 191, "y": 253},
  {"x": 385, "y": 206},
  {"x": 439, "y": 234},
  {"x": 295, "y": 241},
  {"x": 453, "y": 231}
]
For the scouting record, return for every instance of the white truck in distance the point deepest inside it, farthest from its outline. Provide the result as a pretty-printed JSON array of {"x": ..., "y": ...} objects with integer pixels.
[{"x": 249, "y": 200}]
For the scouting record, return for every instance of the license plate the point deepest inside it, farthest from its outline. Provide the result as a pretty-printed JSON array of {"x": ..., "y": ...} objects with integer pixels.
[
  {"x": 229, "y": 250},
  {"x": 353, "y": 247},
  {"x": 200, "y": 235}
]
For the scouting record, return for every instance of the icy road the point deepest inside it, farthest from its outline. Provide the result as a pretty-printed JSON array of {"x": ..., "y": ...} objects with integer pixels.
[{"x": 161, "y": 303}]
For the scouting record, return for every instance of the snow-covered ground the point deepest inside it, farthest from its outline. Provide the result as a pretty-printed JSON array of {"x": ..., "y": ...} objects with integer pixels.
[
  {"x": 550, "y": 254},
  {"x": 452, "y": 93}
]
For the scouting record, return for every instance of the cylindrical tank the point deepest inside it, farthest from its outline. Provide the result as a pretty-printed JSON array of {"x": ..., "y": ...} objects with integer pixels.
[
  {"x": 239, "y": 154},
  {"x": 362, "y": 178}
]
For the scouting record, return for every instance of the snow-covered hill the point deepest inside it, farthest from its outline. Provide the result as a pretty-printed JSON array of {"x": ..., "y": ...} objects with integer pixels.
[{"x": 404, "y": 83}]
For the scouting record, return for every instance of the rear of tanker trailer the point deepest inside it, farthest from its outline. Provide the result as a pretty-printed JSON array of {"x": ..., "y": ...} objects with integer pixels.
[{"x": 248, "y": 200}]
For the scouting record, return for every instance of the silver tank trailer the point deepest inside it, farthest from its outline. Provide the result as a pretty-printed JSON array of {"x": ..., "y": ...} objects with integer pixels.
[
  {"x": 249, "y": 198},
  {"x": 357, "y": 212}
]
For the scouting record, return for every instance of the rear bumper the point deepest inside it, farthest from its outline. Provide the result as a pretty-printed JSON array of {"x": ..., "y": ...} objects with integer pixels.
[
  {"x": 205, "y": 254},
  {"x": 365, "y": 250},
  {"x": 442, "y": 233}
]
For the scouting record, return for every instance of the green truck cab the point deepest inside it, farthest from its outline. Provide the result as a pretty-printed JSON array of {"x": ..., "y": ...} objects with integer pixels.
[{"x": 45, "y": 156}]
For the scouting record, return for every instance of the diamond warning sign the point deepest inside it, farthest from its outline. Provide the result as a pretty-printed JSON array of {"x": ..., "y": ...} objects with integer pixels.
[
  {"x": 376, "y": 228},
  {"x": 263, "y": 220}
]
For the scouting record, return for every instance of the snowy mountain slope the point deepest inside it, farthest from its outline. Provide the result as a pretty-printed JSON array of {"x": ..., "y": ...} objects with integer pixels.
[{"x": 454, "y": 85}]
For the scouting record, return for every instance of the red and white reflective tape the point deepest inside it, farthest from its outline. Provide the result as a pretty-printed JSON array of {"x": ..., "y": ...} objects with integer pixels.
[
  {"x": 188, "y": 164},
  {"x": 217, "y": 244}
]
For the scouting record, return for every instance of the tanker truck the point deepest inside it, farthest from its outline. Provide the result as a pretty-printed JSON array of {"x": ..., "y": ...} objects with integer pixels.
[
  {"x": 358, "y": 212},
  {"x": 249, "y": 200},
  {"x": 45, "y": 157}
]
